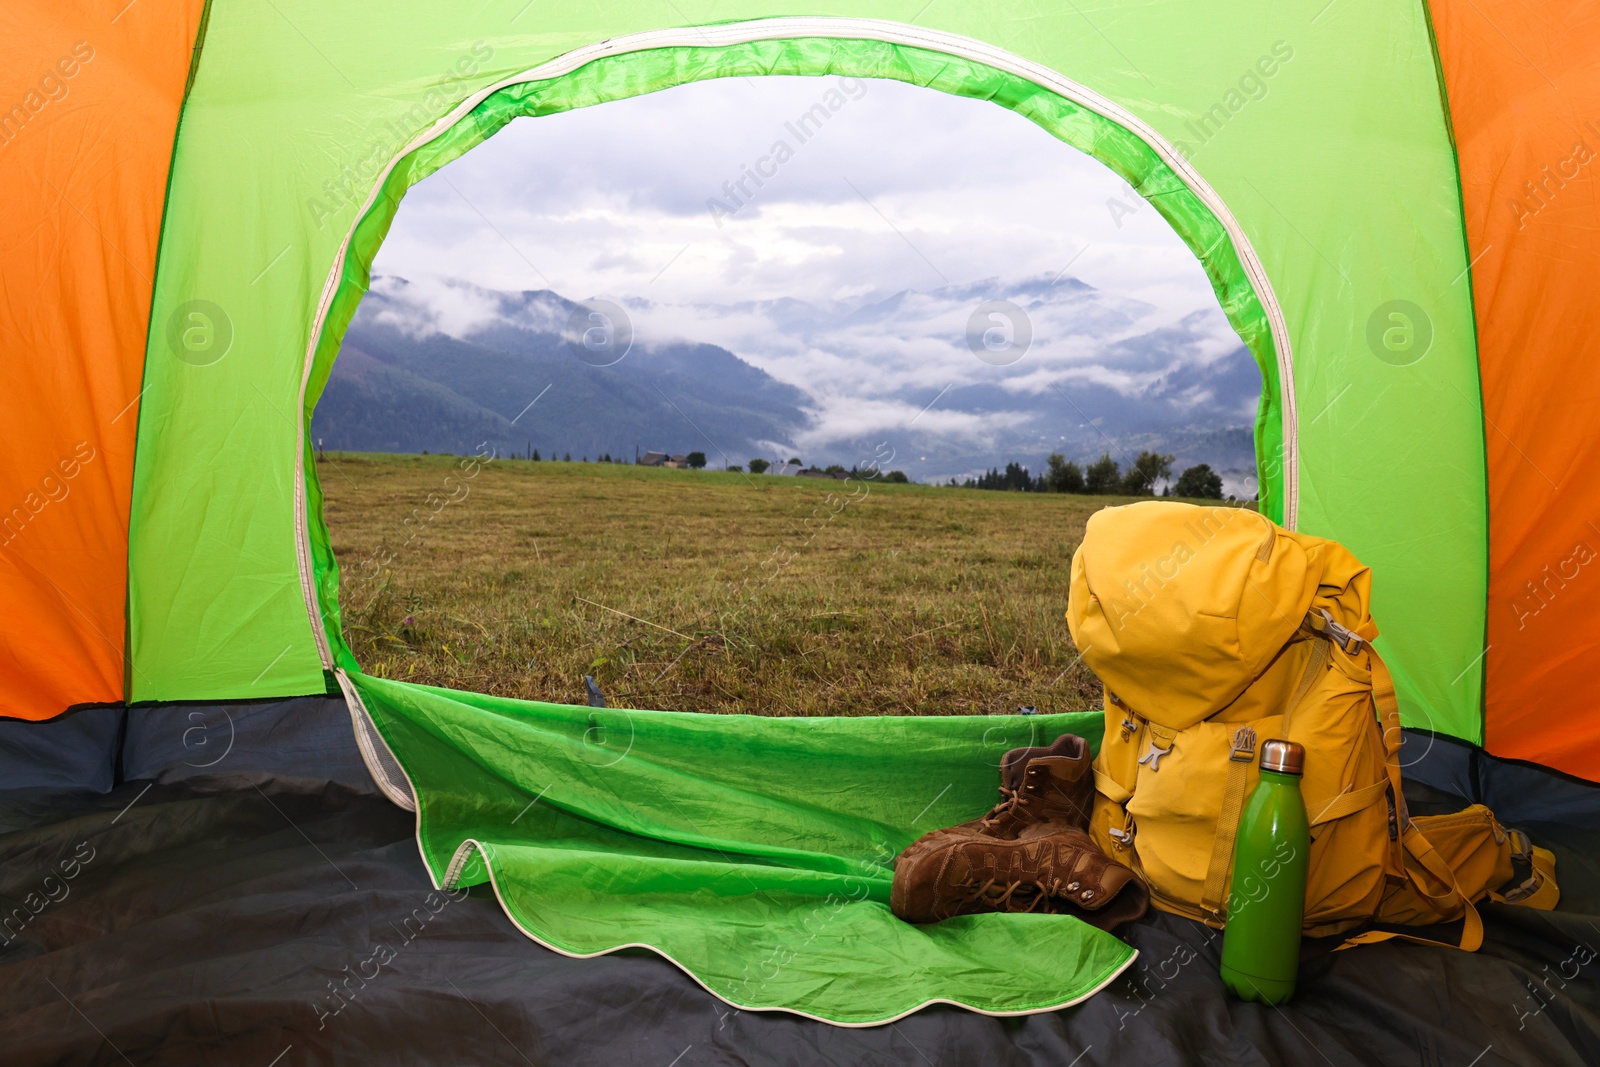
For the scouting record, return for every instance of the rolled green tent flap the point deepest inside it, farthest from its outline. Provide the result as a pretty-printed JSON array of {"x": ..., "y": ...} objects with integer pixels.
[{"x": 756, "y": 853}]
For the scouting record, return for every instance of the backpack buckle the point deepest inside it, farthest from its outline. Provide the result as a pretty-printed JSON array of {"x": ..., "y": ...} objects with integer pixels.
[
  {"x": 1323, "y": 623},
  {"x": 1152, "y": 756},
  {"x": 1244, "y": 745},
  {"x": 1531, "y": 880}
]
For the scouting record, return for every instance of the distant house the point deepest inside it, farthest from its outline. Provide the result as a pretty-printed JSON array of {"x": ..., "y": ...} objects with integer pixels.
[
  {"x": 788, "y": 470},
  {"x": 814, "y": 473},
  {"x": 663, "y": 459}
]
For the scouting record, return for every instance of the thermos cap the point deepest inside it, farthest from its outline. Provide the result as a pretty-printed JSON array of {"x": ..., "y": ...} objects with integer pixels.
[{"x": 1285, "y": 757}]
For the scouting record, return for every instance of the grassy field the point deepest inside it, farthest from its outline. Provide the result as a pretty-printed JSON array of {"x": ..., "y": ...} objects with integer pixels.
[{"x": 707, "y": 591}]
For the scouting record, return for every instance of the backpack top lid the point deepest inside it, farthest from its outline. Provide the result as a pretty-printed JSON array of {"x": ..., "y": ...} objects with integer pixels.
[{"x": 1178, "y": 608}]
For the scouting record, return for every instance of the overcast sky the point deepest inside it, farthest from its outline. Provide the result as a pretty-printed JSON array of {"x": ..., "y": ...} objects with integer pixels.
[{"x": 900, "y": 188}]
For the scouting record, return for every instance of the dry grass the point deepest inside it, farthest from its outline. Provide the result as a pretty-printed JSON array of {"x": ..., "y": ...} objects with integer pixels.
[{"x": 707, "y": 591}]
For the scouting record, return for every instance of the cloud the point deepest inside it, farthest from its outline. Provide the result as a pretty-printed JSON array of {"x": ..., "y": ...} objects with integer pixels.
[
  {"x": 850, "y": 269},
  {"x": 903, "y": 187}
]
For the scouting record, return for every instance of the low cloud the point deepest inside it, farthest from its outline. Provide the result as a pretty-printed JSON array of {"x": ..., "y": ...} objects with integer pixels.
[{"x": 850, "y": 273}]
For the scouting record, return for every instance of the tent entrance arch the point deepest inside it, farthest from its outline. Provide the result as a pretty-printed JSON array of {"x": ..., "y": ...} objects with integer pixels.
[{"x": 643, "y": 63}]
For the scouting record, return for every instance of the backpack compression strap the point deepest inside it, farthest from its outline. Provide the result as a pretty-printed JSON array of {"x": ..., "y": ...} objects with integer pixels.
[
  {"x": 1418, "y": 852},
  {"x": 1213, "y": 897}
]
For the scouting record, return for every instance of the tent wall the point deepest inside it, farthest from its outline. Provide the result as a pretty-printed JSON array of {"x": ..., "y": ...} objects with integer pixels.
[
  {"x": 1337, "y": 164},
  {"x": 1524, "y": 89},
  {"x": 1325, "y": 135},
  {"x": 89, "y": 99}
]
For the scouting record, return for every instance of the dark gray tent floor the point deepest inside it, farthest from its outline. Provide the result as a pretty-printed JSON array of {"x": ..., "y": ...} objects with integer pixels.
[{"x": 233, "y": 863}]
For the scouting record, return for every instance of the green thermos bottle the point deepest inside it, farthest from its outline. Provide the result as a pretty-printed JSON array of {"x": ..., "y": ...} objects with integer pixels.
[{"x": 1267, "y": 900}]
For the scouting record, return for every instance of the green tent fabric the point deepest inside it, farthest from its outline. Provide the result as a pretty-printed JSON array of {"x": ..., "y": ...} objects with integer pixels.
[
  {"x": 733, "y": 844},
  {"x": 292, "y": 159},
  {"x": 756, "y": 853}
]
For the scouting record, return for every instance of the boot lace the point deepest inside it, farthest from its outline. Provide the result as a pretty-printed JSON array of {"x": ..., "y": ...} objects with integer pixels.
[
  {"x": 1017, "y": 895},
  {"x": 1012, "y": 800}
]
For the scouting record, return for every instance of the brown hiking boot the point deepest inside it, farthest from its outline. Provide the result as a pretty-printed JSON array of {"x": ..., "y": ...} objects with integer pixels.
[
  {"x": 1051, "y": 788},
  {"x": 1056, "y": 871},
  {"x": 1042, "y": 788}
]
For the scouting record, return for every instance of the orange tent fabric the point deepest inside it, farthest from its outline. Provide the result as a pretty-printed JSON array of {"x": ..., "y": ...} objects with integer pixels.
[
  {"x": 1524, "y": 88},
  {"x": 85, "y": 141}
]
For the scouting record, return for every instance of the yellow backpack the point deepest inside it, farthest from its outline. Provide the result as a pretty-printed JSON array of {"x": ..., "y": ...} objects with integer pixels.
[{"x": 1213, "y": 630}]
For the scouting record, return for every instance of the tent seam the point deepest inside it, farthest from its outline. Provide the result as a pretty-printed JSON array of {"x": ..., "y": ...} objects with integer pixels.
[
  {"x": 195, "y": 52},
  {"x": 1448, "y": 117}
]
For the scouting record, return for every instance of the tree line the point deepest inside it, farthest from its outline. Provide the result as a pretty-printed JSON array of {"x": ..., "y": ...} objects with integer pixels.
[
  {"x": 761, "y": 466},
  {"x": 1103, "y": 477},
  {"x": 533, "y": 454}
]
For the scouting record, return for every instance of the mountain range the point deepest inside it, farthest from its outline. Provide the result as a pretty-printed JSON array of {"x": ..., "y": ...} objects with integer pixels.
[{"x": 447, "y": 366}]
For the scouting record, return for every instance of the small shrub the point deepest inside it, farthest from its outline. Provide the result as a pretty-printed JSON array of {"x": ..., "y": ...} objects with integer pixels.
[{"x": 1200, "y": 482}]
